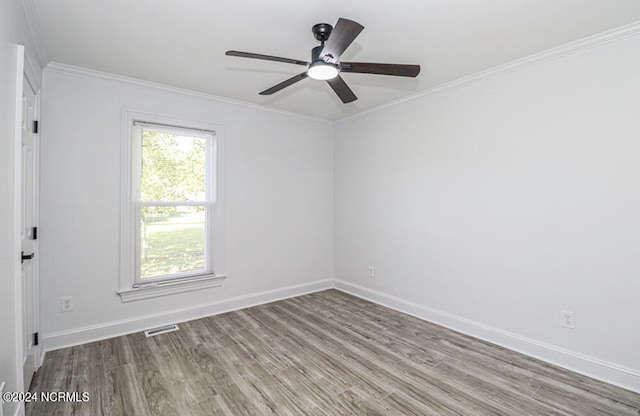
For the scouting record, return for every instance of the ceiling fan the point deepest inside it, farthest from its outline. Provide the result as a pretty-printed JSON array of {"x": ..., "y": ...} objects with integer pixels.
[{"x": 325, "y": 64}]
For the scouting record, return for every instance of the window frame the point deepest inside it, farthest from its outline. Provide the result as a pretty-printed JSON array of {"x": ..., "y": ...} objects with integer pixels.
[{"x": 131, "y": 288}]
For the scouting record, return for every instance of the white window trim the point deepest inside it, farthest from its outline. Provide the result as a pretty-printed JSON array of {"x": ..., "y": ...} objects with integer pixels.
[{"x": 153, "y": 289}]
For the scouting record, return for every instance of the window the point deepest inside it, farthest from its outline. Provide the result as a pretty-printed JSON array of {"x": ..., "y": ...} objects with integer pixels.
[{"x": 171, "y": 223}]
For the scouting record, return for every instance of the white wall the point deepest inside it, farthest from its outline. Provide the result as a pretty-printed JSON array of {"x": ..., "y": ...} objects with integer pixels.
[
  {"x": 278, "y": 183},
  {"x": 493, "y": 205},
  {"x": 13, "y": 32},
  {"x": 488, "y": 207}
]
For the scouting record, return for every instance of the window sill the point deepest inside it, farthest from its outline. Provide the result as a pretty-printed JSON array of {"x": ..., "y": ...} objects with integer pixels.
[{"x": 158, "y": 289}]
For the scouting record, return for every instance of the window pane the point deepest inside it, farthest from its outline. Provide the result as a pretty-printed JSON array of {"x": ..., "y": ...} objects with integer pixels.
[
  {"x": 172, "y": 240},
  {"x": 173, "y": 167}
]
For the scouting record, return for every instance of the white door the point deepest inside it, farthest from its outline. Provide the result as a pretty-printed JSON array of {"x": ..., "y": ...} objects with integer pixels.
[{"x": 28, "y": 234}]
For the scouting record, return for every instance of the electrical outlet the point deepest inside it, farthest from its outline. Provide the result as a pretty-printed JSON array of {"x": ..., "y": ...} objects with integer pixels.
[
  {"x": 568, "y": 320},
  {"x": 66, "y": 303},
  {"x": 372, "y": 271}
]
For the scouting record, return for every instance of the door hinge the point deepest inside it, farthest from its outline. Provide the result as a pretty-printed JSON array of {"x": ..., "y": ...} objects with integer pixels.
[
  {"x": 35, "y": 338},
  {"x": 34, "y": 233},
  {"x": 35, "y": 126}
]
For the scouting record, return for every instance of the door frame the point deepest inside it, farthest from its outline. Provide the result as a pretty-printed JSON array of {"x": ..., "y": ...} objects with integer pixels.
[
  {"x": 35, "y": 265},
  {"x": 23, "y": 70},
  {"x": 17, "y": 220},
  {"x": 33, "y": 73}
]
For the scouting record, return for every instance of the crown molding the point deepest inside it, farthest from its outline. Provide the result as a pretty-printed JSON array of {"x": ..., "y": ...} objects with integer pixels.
[
  {"x": 119, "y": 79},
  {"x": 33, "y": 23},
  {"x": 570, "y": 48},
  {"x": 32, "y": 71},
  {"x": 603, "y": 38}
]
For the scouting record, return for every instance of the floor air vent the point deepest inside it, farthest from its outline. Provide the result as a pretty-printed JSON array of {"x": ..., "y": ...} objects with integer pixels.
[{"x": 162, "y": 330}]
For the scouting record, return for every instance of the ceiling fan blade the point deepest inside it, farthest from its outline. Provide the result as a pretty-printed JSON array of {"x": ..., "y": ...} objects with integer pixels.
[
  {"x": 284, "y": 84},
  {"x": 265, "y": 57},
  {"x": 342, "y": 35},
  {"x": 398, "y": 70},
  {"x": 342, "y": 89}
]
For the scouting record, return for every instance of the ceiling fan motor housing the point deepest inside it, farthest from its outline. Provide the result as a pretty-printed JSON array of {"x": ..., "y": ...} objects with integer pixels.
[{"x": 315, "y": 56}]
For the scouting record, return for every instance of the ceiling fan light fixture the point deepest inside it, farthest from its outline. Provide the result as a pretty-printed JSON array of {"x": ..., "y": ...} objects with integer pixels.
[
  {"x": 325, "y": 62},
  {"x": 322, "y": 70}
]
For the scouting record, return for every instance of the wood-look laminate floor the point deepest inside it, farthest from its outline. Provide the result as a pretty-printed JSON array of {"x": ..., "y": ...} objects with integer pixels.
[{"x": 326, "y": 353}]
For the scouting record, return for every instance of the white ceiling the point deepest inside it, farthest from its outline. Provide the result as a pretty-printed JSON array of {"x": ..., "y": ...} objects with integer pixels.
[{"x": 182, "y": 43}]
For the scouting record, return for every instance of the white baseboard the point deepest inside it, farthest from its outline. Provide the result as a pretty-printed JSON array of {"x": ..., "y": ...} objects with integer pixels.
[
  {"x": 18, "y": 410},
  {"x": 589, "y": 366},
  {"x": 571, "y": 360},
  {"x": 78, "y": 336},
  {"x": 11, "y": 408}
]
